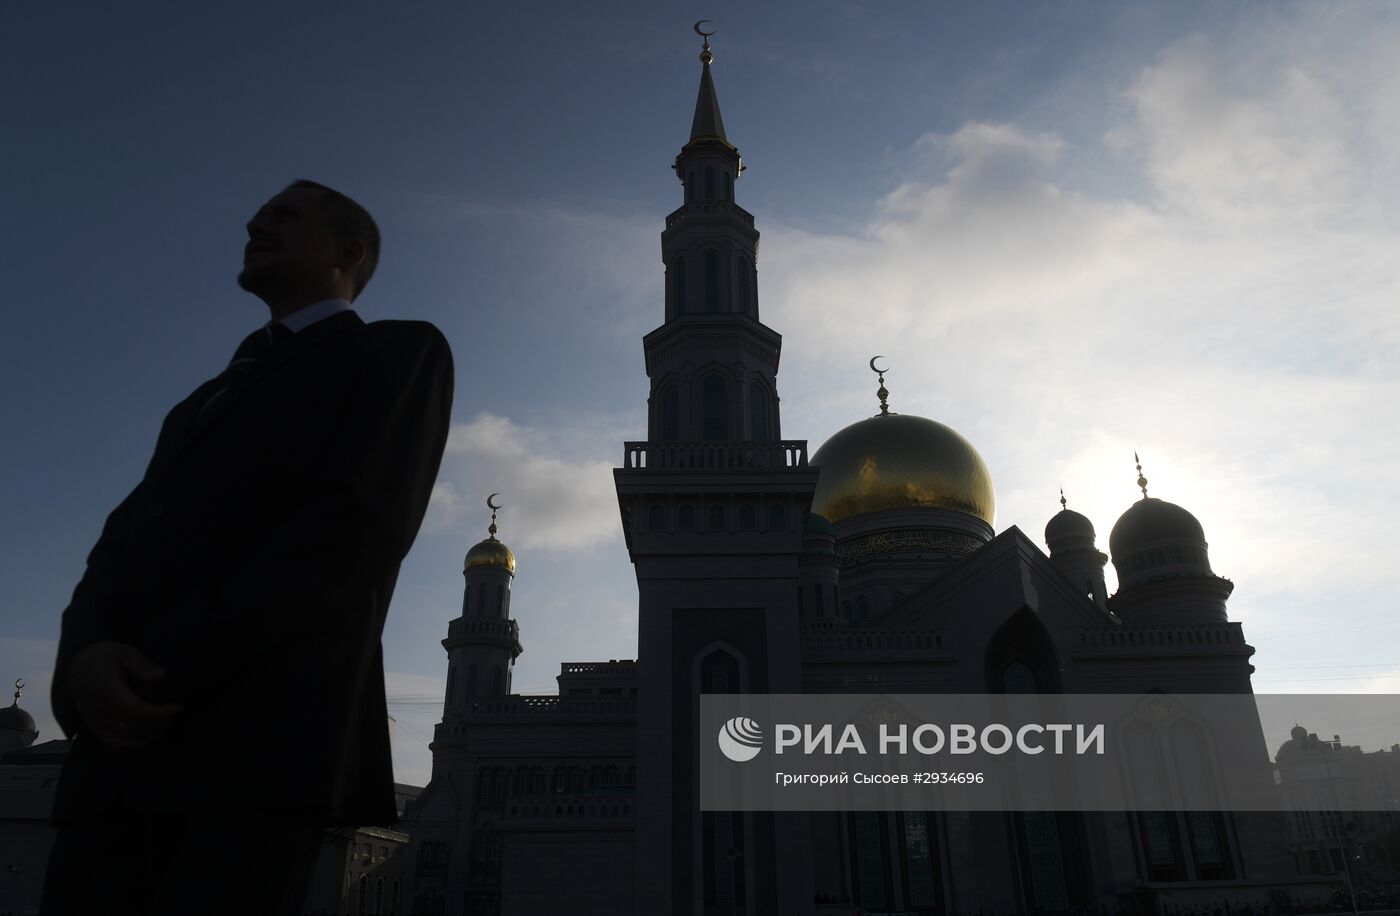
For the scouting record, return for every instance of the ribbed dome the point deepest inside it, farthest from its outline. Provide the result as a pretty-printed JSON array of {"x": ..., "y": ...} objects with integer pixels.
[
  {"x": 490, "y": 552},
  {"x": 1067, "y": 524},
  {"x": 1153, "y": 521},
  {"x": 818, "y": 524},
  {"x": 899, "y": 461}
]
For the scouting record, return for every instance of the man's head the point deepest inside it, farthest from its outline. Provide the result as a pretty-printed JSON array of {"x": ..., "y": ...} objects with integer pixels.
[{"x": 308, "y": 243}]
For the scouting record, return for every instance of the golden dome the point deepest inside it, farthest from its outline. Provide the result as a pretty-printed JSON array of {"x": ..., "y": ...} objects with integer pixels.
[
  {"x": 900, "y": 461},
  {"x": 491, "y": 552}
]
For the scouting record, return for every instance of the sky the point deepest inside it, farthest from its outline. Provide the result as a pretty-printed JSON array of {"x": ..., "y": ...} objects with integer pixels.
[{"x": 1074, "y": 230}]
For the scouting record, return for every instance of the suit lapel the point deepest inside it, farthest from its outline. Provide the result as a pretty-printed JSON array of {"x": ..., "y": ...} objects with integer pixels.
[{"x": 287, "y": 352}]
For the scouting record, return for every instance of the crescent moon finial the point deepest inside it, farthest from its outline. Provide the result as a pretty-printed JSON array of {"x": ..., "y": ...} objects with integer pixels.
[
  {"x": 19, "y": 685},
  {"x": 490, "y": 504},
  {"x": 882, "y": 393},
  {"x": 706, "y": 57}
]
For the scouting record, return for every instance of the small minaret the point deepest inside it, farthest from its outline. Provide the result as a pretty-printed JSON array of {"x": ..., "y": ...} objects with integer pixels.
[
  {"x": 1164, "y": 577},
  {"x": 1070, "y": 537},
  {"x": 483, "y": 644}
]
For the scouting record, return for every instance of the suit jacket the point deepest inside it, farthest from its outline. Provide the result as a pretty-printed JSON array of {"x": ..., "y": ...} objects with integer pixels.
[{"x": 255, "y": 562}]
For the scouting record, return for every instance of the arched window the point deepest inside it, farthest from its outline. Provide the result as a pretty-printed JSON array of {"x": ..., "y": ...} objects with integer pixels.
[
  {"x": 670, "y": 414},
  {"x": 471, "y": 680},
  {"x": 728, "y": 187},
  {"x": 656, "y": 518},
  {"x": 690, "y": 187},
  {"x": 685, "y": 518},
  {"x": 759, "y": 428},
  {"x": 867, "y": 831},
  {"x": 719, "y": 673},
  {"x": 394, "y": 897},
  {"x": 920, "y": 860},
  {"x": 451, "y": 682},
  {"x": 481, "y": 599},
  {"x": 1157, "y": 830},
  {"x": 718, "y": 522},
  {"x": 817, "y": 599},
  {"x": 709, "y": 183},
  {"x": 777, "y": 518},
  {"x": 714, "y": 415},
  {"x": 1209, "y": 846},
  {"x": 495, "y": 681},
  {"x": 741, "y": 285},
  {"x": 747, "y": 517},
  {"x": 711, "y": 281},
  {"x": 500, "y": 600},
  {"x": 1017, "y": 678},
  {"x": 363, "y": 892},
  {"x": 678, "y": 284},
  {"x": 379, "y": 895}
]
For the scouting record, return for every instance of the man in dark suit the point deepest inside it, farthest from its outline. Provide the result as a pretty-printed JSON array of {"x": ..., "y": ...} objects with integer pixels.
[{"x": 220, "y": 668}]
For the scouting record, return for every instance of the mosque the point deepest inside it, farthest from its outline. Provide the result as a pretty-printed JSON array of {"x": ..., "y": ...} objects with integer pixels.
[{"x": 868, "y": 566}]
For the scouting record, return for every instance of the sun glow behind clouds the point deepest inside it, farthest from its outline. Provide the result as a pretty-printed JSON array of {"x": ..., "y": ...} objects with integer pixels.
[{"x": 1236, "y": 325}]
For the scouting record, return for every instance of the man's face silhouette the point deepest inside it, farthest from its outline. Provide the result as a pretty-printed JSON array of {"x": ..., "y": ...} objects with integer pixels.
[{"x": 291, "y": 252}]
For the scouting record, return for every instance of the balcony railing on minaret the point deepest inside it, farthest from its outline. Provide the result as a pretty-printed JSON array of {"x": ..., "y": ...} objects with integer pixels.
[{"x": 784, "y": 453}]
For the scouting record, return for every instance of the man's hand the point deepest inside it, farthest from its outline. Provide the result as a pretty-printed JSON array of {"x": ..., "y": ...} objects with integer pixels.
[{"x": 103, "y": 678}]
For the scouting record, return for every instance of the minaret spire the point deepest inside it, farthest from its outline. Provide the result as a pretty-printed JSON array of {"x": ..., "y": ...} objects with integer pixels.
[{"x": 707, "y": 124}]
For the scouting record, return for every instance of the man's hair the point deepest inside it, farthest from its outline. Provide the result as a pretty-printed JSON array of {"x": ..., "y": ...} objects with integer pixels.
[{"x": 349, "y": 221}]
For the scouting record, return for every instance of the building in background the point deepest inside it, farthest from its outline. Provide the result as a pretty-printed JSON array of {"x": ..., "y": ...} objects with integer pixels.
[
  {"x": 870, "y": 566},
  {"x": 1346, "y": 807}
]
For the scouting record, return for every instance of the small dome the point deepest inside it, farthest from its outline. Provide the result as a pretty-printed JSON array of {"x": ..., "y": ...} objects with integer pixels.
[
  {"x": 17, "y": 730},
  {"x": 1153, "y": 521},
  {"x": 900, "y": 461},
  {"x": 1067, "y": 524},
  {"x": 490, "y": 552},
  {"x": 1299, "y": 741},
  {"x": 818, "y": 524},
  {"x": 12, "y": 718}
]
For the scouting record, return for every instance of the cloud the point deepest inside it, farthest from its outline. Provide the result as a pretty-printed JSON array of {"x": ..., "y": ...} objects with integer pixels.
[
  {"x": 1236, "y": 324},
  {"x": 555, "y": 482},
  {"x": 1291, "y": 118}
]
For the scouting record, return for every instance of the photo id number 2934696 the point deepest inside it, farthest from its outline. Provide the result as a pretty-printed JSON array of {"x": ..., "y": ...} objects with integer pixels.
[{"x": 942, "y": 778}]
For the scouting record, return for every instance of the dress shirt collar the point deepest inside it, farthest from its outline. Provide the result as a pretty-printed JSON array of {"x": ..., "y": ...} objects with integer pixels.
[{"x": 304, "y": 318}]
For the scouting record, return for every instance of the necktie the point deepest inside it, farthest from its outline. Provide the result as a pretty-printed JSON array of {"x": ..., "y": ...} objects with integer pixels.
[{"x": 253, "y": 349}]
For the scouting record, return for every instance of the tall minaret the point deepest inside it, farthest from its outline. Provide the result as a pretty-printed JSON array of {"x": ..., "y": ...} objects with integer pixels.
[
  {"x": 712, "y": 364},
  {"x": 712, "y": 507}
]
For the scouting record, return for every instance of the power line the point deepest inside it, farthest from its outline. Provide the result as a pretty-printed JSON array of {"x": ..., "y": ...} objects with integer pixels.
[{"x": 1359, "y": 626}]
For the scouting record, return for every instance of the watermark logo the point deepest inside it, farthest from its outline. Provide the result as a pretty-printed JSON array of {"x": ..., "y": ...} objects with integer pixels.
[{"x": 740, "y": 739}]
